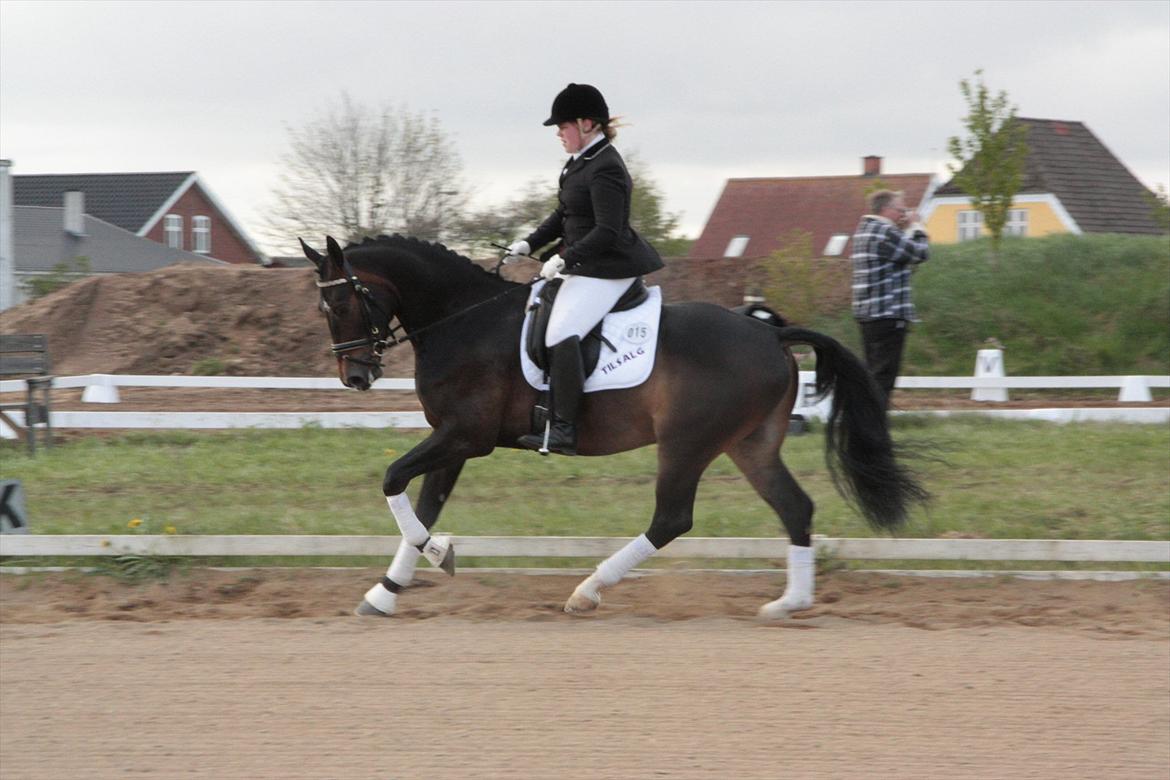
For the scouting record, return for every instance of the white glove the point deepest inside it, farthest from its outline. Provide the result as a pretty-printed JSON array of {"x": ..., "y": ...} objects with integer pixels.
[
  {"x": 553, "y": 266},
  {"x": 518, "y": 251}
]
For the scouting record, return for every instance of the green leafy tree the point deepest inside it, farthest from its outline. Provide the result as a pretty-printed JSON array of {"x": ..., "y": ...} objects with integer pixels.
[
  {"x": 800, "y": 285},
  {"x": 357, "y": 171},
  {"x": 990, "y": 159},
  {"x": 1160, "y": 207},
  {"x": 62, "y": 274}
]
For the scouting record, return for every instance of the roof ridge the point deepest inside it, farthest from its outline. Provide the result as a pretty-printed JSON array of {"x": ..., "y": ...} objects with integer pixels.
[{"x": 832, "y": 176}]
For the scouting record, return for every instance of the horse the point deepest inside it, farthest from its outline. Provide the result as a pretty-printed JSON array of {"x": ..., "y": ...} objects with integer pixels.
[{"x": 721, "y": 383}]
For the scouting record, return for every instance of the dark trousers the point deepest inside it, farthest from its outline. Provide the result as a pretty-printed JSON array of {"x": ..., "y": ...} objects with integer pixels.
[{"x": 883, "y": 341}]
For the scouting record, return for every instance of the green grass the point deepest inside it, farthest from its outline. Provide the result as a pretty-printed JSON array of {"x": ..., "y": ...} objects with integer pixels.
[
  {"x": 1096, "y": 304},
  {"x": 992, "y": 479}
]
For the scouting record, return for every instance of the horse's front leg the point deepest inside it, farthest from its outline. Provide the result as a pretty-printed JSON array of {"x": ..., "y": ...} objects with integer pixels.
[{"x": 441, "y": 460}]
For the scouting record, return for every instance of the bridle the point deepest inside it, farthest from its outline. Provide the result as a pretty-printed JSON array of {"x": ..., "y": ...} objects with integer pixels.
[{"x": 374, "y": 339}]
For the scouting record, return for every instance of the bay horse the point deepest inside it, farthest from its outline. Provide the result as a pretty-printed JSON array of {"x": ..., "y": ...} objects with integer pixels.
[{"x": 722, "y": 382}]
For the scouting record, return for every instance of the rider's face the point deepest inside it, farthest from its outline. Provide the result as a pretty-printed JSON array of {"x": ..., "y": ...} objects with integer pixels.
[{"x": 572, "y": 139}]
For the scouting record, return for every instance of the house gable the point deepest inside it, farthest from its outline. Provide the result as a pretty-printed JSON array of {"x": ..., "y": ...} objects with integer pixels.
[
  {"x": 767, "y": 211},
  {"x": 228, "y": 242},
  {"x": 140, "y": 202},
  {"x": 1084, "y": 179}
]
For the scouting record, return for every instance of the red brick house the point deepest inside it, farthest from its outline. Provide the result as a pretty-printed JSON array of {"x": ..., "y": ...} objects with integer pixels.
[
  {"x": 173, "y": 209},
  {"x": 753, "y": 216}
]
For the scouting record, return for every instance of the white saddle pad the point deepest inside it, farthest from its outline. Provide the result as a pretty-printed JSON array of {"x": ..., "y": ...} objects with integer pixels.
[{"x": 633, "y": 333}]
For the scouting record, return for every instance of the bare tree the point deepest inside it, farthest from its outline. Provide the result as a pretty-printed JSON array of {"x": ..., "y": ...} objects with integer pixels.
[{"x": 357, "y": 171}]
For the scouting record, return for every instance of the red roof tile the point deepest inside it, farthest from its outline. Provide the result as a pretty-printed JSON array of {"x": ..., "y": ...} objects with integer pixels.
[{"x": 768, "y": 209}]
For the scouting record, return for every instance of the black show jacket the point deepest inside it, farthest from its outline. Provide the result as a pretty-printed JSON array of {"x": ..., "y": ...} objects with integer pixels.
[{"x": 593, "y": 219}]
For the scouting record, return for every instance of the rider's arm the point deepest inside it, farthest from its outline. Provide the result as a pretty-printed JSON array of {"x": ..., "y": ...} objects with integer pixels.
[{"x": 551, "y": 229}]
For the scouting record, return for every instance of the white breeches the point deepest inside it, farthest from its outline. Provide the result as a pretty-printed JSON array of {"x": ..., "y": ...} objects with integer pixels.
[{"x": 581, "y": 303}]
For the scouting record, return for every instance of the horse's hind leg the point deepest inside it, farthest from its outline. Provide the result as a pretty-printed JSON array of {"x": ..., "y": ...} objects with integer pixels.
[
  {"x": 382, "y": 599},
  {"x": 758, "y": 458},
  {"x": 678, "y": 480}
]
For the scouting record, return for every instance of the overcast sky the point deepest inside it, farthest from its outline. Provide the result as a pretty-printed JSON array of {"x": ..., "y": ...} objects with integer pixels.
[{"x": 711, "y": 91}]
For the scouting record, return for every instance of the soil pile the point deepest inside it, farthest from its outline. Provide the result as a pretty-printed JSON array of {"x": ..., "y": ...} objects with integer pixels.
[{"x": 253, "y": 321}]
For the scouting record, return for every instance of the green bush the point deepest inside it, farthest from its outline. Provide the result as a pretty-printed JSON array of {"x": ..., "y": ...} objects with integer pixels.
[{"x": 1096, "y": 304}]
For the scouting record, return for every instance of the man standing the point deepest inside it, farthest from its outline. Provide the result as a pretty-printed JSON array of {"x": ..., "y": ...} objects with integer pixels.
[{"x": 887, "y": 245}]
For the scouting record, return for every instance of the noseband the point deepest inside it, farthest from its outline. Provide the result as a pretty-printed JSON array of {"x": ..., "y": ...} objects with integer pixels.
[{"x": 374, "y": 340}]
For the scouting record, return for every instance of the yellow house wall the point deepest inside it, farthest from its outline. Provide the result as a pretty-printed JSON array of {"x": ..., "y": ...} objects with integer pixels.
[{"x": 943, "y": 225}]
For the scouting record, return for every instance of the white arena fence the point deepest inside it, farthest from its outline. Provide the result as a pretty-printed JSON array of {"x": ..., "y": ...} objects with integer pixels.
[
  {"x": 21, "y": 546},
  {"x": 103, "y": 389}
]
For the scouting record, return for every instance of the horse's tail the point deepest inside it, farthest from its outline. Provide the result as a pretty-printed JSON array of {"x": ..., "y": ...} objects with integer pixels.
[{"x": 858, "y": 449}]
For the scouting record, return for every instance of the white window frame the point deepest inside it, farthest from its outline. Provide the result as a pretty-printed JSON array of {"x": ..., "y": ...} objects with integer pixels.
[
  {"x": 970, "y": 224},
  {"x": 173, "y": 231},
  {"x": 1017, "y": 223},
  {"x": 736, "y": 246},
  {"x": 836, "y": 245},
  {"x": 201, "y": 235}
]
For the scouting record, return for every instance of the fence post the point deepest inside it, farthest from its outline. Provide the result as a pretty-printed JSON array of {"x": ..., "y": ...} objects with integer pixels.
[
  {"x": 1134, "y": 389},
  {"x": 103, "y": 391},
  {"x": 989, "y": 363}
]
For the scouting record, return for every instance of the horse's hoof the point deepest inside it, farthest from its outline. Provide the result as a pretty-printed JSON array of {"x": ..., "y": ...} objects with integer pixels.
[
  {"x": 366, "y": 609},
  {"x": 783, "y": 607},
  {"x": 580, "y": 603},
  {"x": 441, "y": 553}
]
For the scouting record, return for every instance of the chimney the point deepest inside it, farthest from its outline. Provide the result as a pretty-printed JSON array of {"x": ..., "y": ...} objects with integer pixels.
[
  {"x": 75, "y": 213},
  {"x": 871, "y": 165}
]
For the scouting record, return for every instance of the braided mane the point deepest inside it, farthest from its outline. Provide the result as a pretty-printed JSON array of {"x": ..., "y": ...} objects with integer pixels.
[{"x": 427, "y": 249}]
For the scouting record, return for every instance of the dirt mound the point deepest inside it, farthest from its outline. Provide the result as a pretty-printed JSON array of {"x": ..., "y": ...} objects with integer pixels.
[{"x": 255, "y": 321}]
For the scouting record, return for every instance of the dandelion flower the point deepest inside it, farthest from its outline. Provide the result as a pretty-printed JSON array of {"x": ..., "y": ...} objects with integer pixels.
[
  {"x": 170, "y": 529},
  {"x": 134, "y": 523},
  {"x": 390, "y": 453}
]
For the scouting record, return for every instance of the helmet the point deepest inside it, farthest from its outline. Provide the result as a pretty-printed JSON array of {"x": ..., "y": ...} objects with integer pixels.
[{"x": 578, "y": 101}]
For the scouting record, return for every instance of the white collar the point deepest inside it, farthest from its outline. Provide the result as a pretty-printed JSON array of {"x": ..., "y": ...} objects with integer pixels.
[
  {"x": 880, "y": 218},
  {"x": 596, "y": 140}
]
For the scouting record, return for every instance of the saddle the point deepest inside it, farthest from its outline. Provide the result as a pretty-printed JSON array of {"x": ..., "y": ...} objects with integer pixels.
[{"x": 541, "y": 309}]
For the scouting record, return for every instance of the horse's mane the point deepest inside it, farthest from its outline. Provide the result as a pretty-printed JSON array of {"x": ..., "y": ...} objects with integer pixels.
[{"x": 432, "y": 251}]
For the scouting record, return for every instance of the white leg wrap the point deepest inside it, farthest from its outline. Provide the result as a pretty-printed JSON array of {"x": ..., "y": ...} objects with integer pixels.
[
  {"x": 413, "y": 531},
  {"x": 798, "y": 593},
  {"x": 405, "y": 561},
  {"x": 381, "y": 599},
  {"x": 618, "y": 565},
  {"x": 587, "y": 595}
]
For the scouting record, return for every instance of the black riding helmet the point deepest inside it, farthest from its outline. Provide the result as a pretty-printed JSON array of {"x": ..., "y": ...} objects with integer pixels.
[{"x": 578, "y": 101}]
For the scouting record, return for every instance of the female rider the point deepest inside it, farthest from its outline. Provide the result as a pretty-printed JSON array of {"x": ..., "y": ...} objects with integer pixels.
[{"x": 600, "y": 255}]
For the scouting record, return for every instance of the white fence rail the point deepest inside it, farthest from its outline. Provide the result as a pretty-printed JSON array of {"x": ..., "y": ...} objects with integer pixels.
[
  {"x": 103, "y": 389},
  {"x": 53, "y": 545}
]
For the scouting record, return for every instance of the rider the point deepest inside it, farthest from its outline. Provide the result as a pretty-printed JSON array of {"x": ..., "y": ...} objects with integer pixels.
[{"x": 599, "y": 254}]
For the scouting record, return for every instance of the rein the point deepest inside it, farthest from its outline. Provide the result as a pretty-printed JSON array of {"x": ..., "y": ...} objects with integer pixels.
[{"x": 374, "y": 339}]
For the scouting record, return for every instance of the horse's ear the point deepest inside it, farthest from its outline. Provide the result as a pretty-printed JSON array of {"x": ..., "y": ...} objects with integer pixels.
[
  {"x": 311, "y": 253},
  {"x": 334, "y": 251}
]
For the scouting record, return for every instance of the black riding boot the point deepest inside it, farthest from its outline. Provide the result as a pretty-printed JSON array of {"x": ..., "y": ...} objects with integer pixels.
[{"x": 566, "y": 385}]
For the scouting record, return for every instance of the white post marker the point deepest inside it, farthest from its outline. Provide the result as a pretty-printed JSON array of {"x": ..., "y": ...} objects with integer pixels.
[
  {"x": 989, "y": 363},
  {"x": 1134, "y": 390}
]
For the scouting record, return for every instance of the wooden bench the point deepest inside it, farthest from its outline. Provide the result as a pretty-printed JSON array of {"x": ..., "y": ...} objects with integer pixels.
[{"x": 28, "y": 356}]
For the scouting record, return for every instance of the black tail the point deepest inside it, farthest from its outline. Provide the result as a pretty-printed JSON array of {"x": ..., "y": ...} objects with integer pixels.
[{"x": 858, "y": 448}]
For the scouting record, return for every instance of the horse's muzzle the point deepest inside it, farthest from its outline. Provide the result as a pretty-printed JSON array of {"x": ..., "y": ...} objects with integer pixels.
[{"x": 359, "y": 375}]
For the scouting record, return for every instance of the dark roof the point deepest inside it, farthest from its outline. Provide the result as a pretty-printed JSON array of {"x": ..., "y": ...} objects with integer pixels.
[
  {"x": 39, "y": 242},
  {"x": 127, "y": 200},
  {"x": 767, "y": 210},
  {"x": 1068, "y": 161}
]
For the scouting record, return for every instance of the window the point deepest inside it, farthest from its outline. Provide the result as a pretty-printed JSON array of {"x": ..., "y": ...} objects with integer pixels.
[
  {"x": 970, "y": 225},
  {"x": 1017, "y": 223},
  {"x": 836, "y": 245},
  {"x": 173, "y": 231},
  {"x": 201, "y": 235},
  {"x": 736, "y": 246}
]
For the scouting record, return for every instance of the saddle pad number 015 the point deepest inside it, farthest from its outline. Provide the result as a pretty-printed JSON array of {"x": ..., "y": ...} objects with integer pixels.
[{"x": 634, "y": 335}]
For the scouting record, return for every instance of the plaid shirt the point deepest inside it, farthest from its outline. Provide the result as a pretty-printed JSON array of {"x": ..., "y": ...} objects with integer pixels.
[{"x": 883, "y": 259}]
